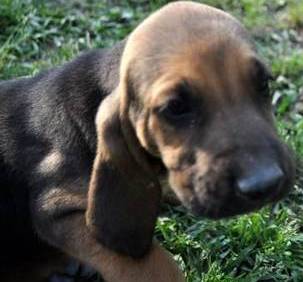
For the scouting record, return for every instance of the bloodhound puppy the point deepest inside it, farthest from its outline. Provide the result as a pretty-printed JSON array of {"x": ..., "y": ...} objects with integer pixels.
[{"x": 84, "y": 147}]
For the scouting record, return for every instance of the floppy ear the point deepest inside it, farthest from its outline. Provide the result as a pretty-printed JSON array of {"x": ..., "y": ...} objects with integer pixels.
[{"x": 124, "y": 196}]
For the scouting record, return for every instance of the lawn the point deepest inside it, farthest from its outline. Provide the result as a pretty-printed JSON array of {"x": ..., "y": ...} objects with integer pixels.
[{"x": 263, "y": 246}]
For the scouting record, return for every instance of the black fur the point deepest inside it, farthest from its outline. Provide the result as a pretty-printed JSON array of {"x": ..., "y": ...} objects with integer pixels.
[{"x": 53, "y": 110}]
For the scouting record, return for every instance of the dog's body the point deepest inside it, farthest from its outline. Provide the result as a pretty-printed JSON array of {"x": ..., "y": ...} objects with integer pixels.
[
  {"x": 47, "y": 122},
  {"x": 55, "y": 188},
  {"x": 53, "y": 112}
]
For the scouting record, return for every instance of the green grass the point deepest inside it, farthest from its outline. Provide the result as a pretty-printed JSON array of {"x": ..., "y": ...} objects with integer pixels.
[{"x": 263, "y": 246}]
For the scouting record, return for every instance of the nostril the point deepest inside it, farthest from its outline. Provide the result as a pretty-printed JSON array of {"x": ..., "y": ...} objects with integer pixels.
[{"x": 261, "y": 181}]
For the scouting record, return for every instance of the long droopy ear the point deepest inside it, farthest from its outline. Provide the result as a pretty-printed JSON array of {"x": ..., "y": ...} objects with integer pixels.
[{"x": 124, "y": 195}]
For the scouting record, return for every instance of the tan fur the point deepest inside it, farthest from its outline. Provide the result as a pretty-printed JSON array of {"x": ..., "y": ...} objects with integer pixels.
[{"x": 158, "y": 266}]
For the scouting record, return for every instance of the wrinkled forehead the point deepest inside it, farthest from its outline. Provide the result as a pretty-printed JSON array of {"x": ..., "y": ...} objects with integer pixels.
[
  {"x": 214, "y": 70},
  {"x": 219, "y": 64}
]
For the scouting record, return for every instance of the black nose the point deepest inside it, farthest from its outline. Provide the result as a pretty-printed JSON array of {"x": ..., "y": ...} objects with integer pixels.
[{"x": 260, "y": 181}]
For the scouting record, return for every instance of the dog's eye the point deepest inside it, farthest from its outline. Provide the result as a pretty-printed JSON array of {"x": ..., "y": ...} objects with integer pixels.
[{"x": 176, "y": 108}]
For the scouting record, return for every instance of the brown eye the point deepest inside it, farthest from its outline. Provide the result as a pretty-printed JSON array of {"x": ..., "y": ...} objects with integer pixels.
[
  {"x": 180, "y": 107},
  {"x": 176, "y": 109}
]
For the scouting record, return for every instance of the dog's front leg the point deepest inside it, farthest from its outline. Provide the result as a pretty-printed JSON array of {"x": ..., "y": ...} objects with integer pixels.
[{"x": 59, "y": 217}]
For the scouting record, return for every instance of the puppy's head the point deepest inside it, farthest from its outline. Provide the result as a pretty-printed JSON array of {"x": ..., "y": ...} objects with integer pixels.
[
  {"x": 196, "y": 94},
  {"x": 192, "y": 98}
]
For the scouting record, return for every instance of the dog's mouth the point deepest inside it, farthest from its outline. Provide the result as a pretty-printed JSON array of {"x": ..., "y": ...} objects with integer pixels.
[
  {"x": 231, "y": 205},
  {"x": 219, "y": 196},
  {"x": 228, "y": 188}
]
